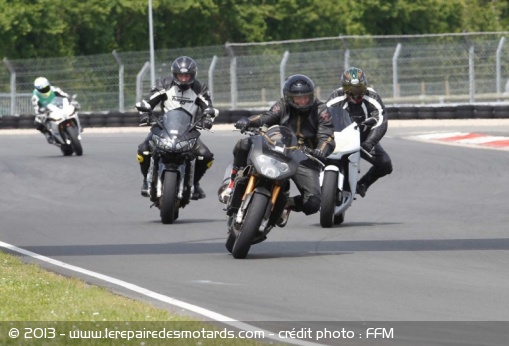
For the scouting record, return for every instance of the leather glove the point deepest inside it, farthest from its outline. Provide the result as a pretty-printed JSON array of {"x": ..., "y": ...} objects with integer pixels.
[
  {"x": 242, "y": 124},
  {"x": 211, "y": 112},
  {"x": 144, "y": 118},
  {"x": 317, "y": 153},
  {"x": 76, "y": 104},
  {"x": 207, "y": 123},
  {"x": 367, "y": 146},
  {"x": 369, "y": 122},
  {"x": 143, "y": 106}
]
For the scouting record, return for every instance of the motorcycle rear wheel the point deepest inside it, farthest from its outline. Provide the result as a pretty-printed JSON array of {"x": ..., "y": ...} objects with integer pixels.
[
  {"x": 168, "y": 203},
  {"x": 328, "y": 203},
  {"x": 250, "y": 225}
]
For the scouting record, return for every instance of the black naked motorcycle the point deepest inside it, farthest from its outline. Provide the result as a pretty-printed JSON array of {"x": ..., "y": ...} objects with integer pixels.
[
  {"x": 262, "y": 188},
  {"x": 172, "y": 162}
]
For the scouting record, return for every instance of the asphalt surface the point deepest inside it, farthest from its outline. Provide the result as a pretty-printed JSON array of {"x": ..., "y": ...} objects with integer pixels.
[{"x": 428, "y": 243}]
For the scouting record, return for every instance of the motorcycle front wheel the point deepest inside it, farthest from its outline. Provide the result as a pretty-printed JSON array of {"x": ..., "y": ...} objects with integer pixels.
[
  {"x": 72, "y": 132},
  {"x": 328, "y": 203},
  {"x": 168, "y": 203},
  {"x": 250, "y": 225}
]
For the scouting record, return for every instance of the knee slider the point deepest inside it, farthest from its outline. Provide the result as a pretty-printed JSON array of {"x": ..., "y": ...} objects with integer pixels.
[{"x": 311, "y": 206}]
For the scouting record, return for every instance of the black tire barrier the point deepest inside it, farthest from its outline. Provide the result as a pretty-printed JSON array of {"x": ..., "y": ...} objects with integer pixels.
[
  {"x": 131, "y": 119},
  {"x": 10, "y": 122},
  {"x": 483, "y": 111},
  {"x": 26, "y": 121},
  {"x": 425, "y": 112},
  {"x": 465, "y": 112},
  {"x": 407, "y": 112},
  {"x": 501, "y": 112},
  {"x": 114, "y": 119},
  {"x": 446, "y": 112},
  {"x": 392, "y": 112},
  {"x": 97, "y": 120}
]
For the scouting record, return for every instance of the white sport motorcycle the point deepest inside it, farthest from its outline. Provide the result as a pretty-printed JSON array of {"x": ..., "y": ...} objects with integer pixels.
[
  {"x": 340, "y": 175},
  {"x": 62, "y": 122}
]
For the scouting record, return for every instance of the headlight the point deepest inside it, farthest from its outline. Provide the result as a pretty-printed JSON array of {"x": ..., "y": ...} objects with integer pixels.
[
  {"x": 271, "y": 167},
  {"x": 170, "y": 144}
]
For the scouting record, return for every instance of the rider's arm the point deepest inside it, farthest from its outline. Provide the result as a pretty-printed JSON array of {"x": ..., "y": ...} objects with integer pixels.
[
  {"x": 204, "y": 99},
  {"x": 271, "y": 117},
  {"x": 376, "y": 109},
  {"x": 158, "y": 92},
  {"x": 60, "y": 92},
  {"x": 325, "y": 133},
  {"x": 35, "y": 104}
]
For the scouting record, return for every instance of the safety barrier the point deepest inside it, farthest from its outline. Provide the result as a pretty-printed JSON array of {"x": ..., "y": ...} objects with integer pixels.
[{"x": 128, "y": 119}]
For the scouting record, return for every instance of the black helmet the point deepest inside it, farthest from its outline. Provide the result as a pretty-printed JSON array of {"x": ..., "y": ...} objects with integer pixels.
[
  {"x": 299, "y": 85},
  {"x": 184, "y": 65},
  {"x": 355, "y": 83}
]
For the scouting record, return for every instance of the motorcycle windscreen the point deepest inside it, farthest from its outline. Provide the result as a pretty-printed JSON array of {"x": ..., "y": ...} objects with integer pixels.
[
  {"x": 340, "y": 118},
  {"x": 57, "y": 101},
  {"x": 282, "y": 136},
  {"x": 177, "y": 122}
]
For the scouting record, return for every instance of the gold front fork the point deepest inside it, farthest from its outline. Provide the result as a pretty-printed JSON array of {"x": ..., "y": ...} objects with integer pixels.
[
  {"x": 275, "y": 193},
  {"x": 250, "y": 186}
]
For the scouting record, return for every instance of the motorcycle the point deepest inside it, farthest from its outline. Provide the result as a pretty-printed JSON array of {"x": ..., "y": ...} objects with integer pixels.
[
  {"x": 339, "y": 177},
  {"x": 261, "y": 189},
  {"x": 63, "y": 123},
  {"x": 172, "y": 164}
]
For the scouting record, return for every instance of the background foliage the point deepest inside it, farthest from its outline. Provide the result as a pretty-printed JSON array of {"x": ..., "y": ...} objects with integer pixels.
[{"x": 58, "y": 28}]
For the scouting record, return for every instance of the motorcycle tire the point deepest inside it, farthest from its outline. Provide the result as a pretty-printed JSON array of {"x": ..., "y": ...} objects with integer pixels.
[
  {"x": 328, "y": 203},
  {"x": 168, "y": 202},
  {"x": 250, "y": 225},
  {"x": 72, "y": 132}
]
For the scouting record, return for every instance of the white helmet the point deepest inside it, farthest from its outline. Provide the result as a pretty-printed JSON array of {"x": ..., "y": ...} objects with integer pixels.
[{"x": 42, "y": 85}]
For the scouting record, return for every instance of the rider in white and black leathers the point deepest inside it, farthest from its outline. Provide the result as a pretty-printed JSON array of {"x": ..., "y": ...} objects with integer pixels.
[
  {"x": 310, "y": 120},
  {"x": 180, "y": 90},
  {"x": 362, "y": 103}
]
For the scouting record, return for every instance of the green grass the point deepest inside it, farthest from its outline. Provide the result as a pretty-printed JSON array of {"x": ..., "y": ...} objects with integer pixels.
[{"x": 31, "y": 297}]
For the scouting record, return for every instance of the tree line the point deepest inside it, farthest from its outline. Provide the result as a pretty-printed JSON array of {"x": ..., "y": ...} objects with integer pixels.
[{"x": 59, "y": 28}]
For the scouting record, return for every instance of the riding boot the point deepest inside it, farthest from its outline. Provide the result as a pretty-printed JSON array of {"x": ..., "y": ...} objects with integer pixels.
[
  {"x": 365, "y": 182},
  {"x": 144, "y": 161},
  {"x": 199, "y": 171},
  {"x": 226, "y": 188}
]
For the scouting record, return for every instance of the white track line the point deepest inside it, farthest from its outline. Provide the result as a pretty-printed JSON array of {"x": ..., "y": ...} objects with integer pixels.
[{"x": 165, "y": 299}]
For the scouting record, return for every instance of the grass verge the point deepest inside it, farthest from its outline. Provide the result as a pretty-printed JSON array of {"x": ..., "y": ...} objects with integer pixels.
[{"x": 49, "y": 309}]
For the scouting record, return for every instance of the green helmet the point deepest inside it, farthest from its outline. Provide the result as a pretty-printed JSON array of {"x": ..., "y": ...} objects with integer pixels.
[{"x": 354, "y": 83}]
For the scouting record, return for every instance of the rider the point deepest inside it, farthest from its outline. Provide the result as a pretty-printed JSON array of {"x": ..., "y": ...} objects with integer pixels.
[
  {"x": 183, "y": 90},
  {"x": 42, "y": 96},
  {"x": 311, "y": 122},
  {"x": 363, "y": 102}
]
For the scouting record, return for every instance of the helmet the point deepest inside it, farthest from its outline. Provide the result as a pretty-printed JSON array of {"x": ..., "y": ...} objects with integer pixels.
[
  {"x": 299, "y": 85},
  {"x": 184, "y": 65},
  {"x": 354, "y": 83},
  {"x": 42, "y": 85}
]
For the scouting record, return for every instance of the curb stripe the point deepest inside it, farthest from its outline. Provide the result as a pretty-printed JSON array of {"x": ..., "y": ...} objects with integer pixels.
[{"x": 466, "y": 138}]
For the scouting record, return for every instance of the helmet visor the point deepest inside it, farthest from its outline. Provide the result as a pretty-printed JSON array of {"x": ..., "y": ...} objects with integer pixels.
[
  {"x": 44, "y": 90},
  {"x": 355, "y": 91},
  {"x": 301, "y": 101}
]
